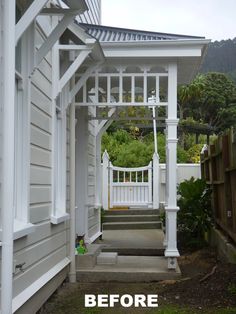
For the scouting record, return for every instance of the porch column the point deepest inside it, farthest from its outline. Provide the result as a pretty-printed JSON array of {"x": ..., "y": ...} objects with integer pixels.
[{"x": 171, "y": 169}]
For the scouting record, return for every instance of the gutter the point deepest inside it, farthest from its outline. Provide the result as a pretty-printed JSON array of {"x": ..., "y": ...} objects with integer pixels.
[{"x": 159, "y": 43}]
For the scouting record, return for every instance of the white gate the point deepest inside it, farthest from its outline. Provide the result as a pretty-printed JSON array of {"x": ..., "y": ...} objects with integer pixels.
[{"x": 131, "y": 187}]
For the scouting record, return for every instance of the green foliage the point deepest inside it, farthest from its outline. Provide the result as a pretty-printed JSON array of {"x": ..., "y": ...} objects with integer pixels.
[
  {"x": 194, "y": 217},
  {"x": 132, "y": 150},
  {"x": 232, "y": 288},
  {"x": 134, "y": 154},
  {"x": 194, "y": 153},
  {"x": 217, "y": 92},
  {"x": 208, "y": 101}
]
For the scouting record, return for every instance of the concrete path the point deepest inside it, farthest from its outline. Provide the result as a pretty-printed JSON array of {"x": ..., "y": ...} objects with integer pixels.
[{"x": 133, "y": 242}]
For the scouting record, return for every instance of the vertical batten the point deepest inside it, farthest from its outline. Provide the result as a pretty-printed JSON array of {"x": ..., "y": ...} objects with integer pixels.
[
  {"x": 8, "y": 154},
  {"x": 120, "y": 87},
  {"x": 72, "y": 274},
  {"x": 108, "y": 89},
  {"x": 157, "y": 88},
  {"x": 55, "y": 79},
  {"x": 132, "y": 88},
  {"x": 145, "y": 86}
]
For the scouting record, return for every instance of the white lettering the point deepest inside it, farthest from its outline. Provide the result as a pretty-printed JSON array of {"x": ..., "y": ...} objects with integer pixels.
[
  {"x": 139, "y": 300},
  {"x": 102, "y": 300},
  {"x": 152, "y": 300},
  {"x": 90, "y": 300},
  {"x": 130, "y": 300},
  {"x": 126, "y": 300},
  {"x": 114, "y": 298}
]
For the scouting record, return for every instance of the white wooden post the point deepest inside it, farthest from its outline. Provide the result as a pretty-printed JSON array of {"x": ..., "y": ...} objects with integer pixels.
[
  {"x": 150, "y": 184},
  {"x": 171, "y": 169},
  {"x": 105, "y": 170},
  {"x": 98, "y": 172},
  {"x": 156, "y": 181},
  {"x": 111, "y": 184}
]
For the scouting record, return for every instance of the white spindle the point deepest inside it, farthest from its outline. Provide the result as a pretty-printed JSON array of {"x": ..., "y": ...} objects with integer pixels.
[{"x": 150, "y": 184}]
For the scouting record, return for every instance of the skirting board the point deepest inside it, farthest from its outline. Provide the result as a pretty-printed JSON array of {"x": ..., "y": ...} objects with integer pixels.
[{"x": 25, "y": 295}]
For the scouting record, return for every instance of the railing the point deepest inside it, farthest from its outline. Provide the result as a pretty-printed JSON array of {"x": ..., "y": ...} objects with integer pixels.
[{"x": 218, "y": 164}]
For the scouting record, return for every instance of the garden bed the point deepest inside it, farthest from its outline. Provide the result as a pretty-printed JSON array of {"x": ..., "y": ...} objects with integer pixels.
[{"x": 215, "y": 294}]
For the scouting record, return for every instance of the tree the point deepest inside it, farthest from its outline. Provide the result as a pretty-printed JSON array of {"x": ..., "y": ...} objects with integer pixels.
[
  {"x": 217, "y": 93},
  {"x": 186, "y": 95}
]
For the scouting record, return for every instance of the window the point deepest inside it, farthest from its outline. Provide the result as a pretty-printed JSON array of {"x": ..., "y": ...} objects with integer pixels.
[
  {"x": 59, "y": 190},
  {"x": 22, "y": 226}
]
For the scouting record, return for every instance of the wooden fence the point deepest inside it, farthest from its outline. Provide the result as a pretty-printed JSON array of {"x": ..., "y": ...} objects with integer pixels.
[{"x": 218, "y": 166}]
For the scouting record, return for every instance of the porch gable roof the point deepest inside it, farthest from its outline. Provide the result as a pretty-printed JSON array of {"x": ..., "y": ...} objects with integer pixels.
[{"x": 116, "y": 34}]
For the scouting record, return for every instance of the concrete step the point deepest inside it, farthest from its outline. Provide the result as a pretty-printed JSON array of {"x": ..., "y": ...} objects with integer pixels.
[
  {"x": 130, "y": 269},
  {"x": 131, "y": 251},
  {"x": 107, "y": 258},
  {"x": 130, "y": 218},
  {"x": 132, "y": 212},
  {"x": 89, "y": 259},
  {"x": 131, "y": 225}
]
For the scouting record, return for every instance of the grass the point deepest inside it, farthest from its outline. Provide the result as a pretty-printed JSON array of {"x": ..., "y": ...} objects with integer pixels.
[{"x": 75, "y": 305}]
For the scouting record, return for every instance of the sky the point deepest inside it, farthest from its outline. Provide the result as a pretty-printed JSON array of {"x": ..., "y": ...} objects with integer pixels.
[{"x": 213, "y": 19}]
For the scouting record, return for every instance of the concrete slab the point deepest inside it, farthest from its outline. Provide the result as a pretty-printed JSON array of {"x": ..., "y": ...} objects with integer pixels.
[
  {"x": 133, "y": 242},
  {"x": 130, "y": 269}
]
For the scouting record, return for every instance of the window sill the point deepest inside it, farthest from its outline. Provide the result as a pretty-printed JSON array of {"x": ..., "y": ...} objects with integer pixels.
[
  {"x": 21, "y": 229},
  {"x": 59, "y": 218}
]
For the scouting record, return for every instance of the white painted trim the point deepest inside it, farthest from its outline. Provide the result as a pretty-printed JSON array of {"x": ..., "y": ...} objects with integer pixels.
[
  {"x": 171, "y": 253},
  {"x": 72, "y": 273},
  {"x": 166, "y": 42},
  {"x": 119, "y": 104},
  {"x": 21, "y": 229},
  {"x": 53, "y": 37},
  {"x": 82, "y": 81},
  {"x": 103, "y": 122},
  {"x": 94, "y": 237},
  {"x": 8, "y": 99},
  {"x": 28, "y": 18},
  {"x": 26, "y": 294},
  {"x": 59, "y": 218},
  {"x": 73, "y": 68}
]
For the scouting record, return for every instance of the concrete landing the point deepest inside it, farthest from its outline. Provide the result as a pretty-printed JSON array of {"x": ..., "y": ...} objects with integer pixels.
[
  {"x": 133, "y": 242},
  {"x": 130, "y": 269}
]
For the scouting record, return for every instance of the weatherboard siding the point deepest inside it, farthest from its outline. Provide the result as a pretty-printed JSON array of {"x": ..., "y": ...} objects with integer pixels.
[{"x": 48, "y": 245}]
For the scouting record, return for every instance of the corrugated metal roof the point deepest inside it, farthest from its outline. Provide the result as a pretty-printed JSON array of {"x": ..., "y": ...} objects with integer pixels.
[{"x": 115, "y": 34}]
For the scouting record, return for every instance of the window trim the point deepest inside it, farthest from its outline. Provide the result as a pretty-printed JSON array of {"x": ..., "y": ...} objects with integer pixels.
[{"x": 59, "y": 213}]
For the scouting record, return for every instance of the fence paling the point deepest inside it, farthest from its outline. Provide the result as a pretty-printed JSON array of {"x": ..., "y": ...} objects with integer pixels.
[{"x": 218, "y": 166}]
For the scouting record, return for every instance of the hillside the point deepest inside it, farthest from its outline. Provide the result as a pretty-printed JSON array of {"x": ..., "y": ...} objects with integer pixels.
[{"x": 221, "y": 57}]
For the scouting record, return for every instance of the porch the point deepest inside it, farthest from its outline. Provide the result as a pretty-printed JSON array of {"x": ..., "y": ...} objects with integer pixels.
[{"x": 143, "y": 78}]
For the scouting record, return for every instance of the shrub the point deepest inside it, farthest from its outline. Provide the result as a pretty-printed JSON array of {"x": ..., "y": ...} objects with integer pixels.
[{"x": 194, "y": 217}]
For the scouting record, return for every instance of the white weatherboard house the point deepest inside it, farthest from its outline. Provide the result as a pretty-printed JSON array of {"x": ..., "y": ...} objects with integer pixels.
[{"x": 58, "y": 68}]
